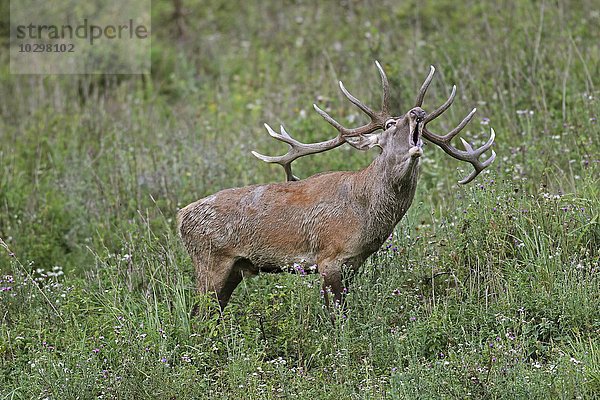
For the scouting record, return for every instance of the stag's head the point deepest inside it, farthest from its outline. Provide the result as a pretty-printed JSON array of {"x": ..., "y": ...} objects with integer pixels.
[{"x": 399, "y": 138}]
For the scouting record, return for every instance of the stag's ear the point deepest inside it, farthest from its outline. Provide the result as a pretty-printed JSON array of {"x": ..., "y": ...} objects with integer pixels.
[{"x": 363, "y": 142}]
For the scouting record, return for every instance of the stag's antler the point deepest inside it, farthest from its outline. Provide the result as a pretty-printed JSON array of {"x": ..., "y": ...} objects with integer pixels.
[
  {"x": 298, "y": 149},
  {"x": 470, "y": 155},
  {"x": 378, "y": 121}
]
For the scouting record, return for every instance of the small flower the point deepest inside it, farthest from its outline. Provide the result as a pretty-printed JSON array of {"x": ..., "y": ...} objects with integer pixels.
[
  {"x": 96, "y": 351},
  {"x": 485, "y": 121},
  {"x": 163, "y": 360},
  {"x": 299, "y": 269},
  {"x": 524, "y": 112}
]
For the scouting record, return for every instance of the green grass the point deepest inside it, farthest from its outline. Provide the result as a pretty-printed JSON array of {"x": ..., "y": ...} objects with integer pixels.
[{"x": 490, "y": 290}]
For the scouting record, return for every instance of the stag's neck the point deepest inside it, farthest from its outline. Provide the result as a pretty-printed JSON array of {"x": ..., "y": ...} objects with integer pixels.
[{"x": 388, "y": 186}]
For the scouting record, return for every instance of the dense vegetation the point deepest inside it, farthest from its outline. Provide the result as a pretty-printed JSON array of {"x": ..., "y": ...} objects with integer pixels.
[{"x": 490, "y": 290}]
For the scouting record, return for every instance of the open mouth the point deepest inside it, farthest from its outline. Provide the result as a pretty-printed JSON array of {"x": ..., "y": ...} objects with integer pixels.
[{"x": 416, "y": 131}]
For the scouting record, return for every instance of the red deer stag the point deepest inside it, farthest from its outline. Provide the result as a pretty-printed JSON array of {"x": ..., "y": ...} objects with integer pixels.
[{"x": 333, "y": 221}]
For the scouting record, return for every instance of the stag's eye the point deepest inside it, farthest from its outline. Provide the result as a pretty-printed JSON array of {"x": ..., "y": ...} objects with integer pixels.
[{"x": 389, "y": 123}]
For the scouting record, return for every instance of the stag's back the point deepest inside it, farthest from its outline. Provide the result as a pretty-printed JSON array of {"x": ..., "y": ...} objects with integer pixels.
[{"x": 277, "y": 223}]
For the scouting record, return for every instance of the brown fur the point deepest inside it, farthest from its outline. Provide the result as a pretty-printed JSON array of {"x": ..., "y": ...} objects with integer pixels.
[{"x": 332, "y": 220}]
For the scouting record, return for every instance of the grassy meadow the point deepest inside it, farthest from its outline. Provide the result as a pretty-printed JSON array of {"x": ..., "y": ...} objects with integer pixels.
[{"x": 489, "y": 290}]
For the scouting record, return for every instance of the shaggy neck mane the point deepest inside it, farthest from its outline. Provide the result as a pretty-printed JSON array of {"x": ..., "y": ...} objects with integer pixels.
[{"x": 388, "y": 188}]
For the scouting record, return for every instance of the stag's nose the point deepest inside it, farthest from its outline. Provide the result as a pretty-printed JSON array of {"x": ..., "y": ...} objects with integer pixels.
[{"x": 418, "y": 114}]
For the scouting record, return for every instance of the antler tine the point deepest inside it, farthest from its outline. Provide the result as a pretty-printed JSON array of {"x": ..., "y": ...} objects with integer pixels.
[
  {"x": 377, "y": 118},
  {"x": 385, "y": 102},
  {"x": 448, "y": 137},
  {"x": 283, "y": 136},
  {"x": 478, "y": 168},
  {"x": 424, "y": 87},
  {"x": 352, "y": 132},
  {"x": 357, "y": 102},
  {"x": 332, "y": 121},
  {"x": 443, "y": 107},
  {"x": 482, "y": 149}
]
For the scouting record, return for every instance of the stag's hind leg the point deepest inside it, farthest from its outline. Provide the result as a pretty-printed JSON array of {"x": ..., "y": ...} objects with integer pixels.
[{"x": 218, "y": 275}]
